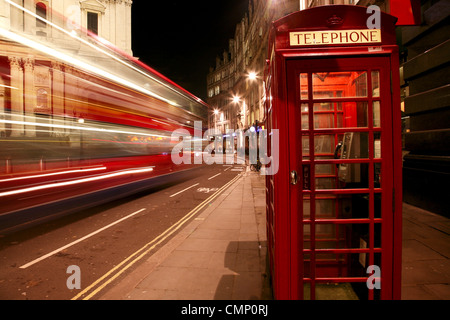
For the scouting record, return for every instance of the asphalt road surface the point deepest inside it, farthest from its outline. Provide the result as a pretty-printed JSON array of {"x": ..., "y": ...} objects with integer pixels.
[{"x": 79, "y": 256}]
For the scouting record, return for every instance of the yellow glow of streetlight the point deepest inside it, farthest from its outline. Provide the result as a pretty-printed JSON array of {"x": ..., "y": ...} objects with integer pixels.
[{"x": 236, "y": 99}]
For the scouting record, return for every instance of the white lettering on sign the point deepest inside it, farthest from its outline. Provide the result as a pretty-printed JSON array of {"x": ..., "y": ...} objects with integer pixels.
[{"x": 316, "y": 38}]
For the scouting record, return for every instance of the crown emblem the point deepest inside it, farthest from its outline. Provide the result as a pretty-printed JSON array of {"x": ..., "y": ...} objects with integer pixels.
[{"x": 334, "y": 21}]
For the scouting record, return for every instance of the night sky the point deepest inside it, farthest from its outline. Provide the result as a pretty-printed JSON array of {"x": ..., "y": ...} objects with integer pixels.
[{"x": 181, "y": 39}]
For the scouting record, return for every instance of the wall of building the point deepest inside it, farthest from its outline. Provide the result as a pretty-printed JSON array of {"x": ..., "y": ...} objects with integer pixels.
[
  {"x": 237, "y": 98},
  {"x": 426, "y": 167},
  {"x": 114, "y": 18}
]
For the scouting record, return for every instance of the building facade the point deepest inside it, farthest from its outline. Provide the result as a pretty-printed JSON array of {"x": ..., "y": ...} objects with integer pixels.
[
  {"x": 235, "y": 86},
  {"x": 109, "y": 19},
  {"x": 426, "y": 69},
  {"x": 33, "y": 83}
]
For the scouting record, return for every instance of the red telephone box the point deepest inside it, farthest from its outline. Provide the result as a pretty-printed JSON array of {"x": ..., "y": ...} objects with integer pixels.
[{"x": 334, "y": 206}]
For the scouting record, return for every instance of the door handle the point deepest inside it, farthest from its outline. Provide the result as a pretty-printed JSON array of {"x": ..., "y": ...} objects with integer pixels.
[{"x": 294, "y": 177}]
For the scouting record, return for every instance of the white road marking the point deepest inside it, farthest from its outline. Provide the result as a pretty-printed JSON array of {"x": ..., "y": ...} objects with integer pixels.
[
  {"x": 79, "y": 240},
  {"x": 184, "y": 190},
  {"x": 207, "y": 190},
  {"x": 214, "y": 176}
]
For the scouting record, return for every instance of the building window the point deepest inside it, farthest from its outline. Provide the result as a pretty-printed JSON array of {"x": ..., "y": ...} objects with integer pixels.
[
  {"x": 92, "y": 22},
  {"x": 41, "y": 12}
]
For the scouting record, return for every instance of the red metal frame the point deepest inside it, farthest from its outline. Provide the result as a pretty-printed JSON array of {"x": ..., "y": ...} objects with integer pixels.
[{"x": 289, "y": 252}]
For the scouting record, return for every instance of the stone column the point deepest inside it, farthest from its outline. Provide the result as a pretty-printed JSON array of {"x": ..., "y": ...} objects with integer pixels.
[
  {"x": 16, "y": 95},
  {"x": 57, "y": 91},
  {"x": 29, "y": 96},
  {"x": 2, "y": 107}
]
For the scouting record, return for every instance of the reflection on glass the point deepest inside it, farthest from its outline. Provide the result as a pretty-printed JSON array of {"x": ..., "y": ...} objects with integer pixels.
[
  {"x": 324, "y": 115},
  {"x": 326, "y": 176},
  {"x": 323, "y": 120},
  {"x": 377, "y": 175},
  {"x": 377, "y": 145},
  {"x": 352, "y": 84},
  {"x": 303, "y": 86},
  {"x": 346, "y": 115},
  {"x": 341, "y": 206},
  {"x": 375, "y": 83},
  {"x": 376, "y": 114},
  {"x": 306, "y": 206},
  {"x": 325, "y": 169},
  {"x": 335, "y": 264},
  {"x": 325, "y": 183},
  {"x": 305, "y": 147},
  {"x": 324, "y": 145},
  {"x": 324, "y": 106},
  {"x": 305, "y": 118}
]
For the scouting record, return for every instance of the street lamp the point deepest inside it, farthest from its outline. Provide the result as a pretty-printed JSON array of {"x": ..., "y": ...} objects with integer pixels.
[{"x": 252, "y": 76}]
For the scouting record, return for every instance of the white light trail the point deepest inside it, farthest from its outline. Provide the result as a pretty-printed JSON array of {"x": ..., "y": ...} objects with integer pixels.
[
  {"x": 83, "y": 128},
  {"x": 52, "y": 174},
  {"x": 72, "y": 182}
]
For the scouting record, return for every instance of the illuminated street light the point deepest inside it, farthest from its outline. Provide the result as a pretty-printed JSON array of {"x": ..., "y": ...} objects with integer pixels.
[
  {"x": 236, "y": 99},
  {"x": 252, "y": 76},
  {"x": 216, "y": 111}
]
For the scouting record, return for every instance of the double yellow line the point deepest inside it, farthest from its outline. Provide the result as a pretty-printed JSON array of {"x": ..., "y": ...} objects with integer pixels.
[{"x": 115, "y": 272}]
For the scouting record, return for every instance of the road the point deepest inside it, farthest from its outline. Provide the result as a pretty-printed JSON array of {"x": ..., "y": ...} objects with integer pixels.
[{"x": 104, "y": 243}]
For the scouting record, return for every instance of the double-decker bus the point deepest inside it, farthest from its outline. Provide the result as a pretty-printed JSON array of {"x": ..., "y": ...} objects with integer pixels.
[{"x": 81, "y": 123}]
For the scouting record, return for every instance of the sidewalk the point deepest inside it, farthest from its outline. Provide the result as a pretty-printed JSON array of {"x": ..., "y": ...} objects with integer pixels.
[
  {"x": 426, "y": 254},
  {"x": 221, "y": 254}
]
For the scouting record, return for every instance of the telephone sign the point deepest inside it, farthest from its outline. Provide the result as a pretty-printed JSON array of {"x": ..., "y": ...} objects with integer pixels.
[{"x": 315, "y": 38}]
